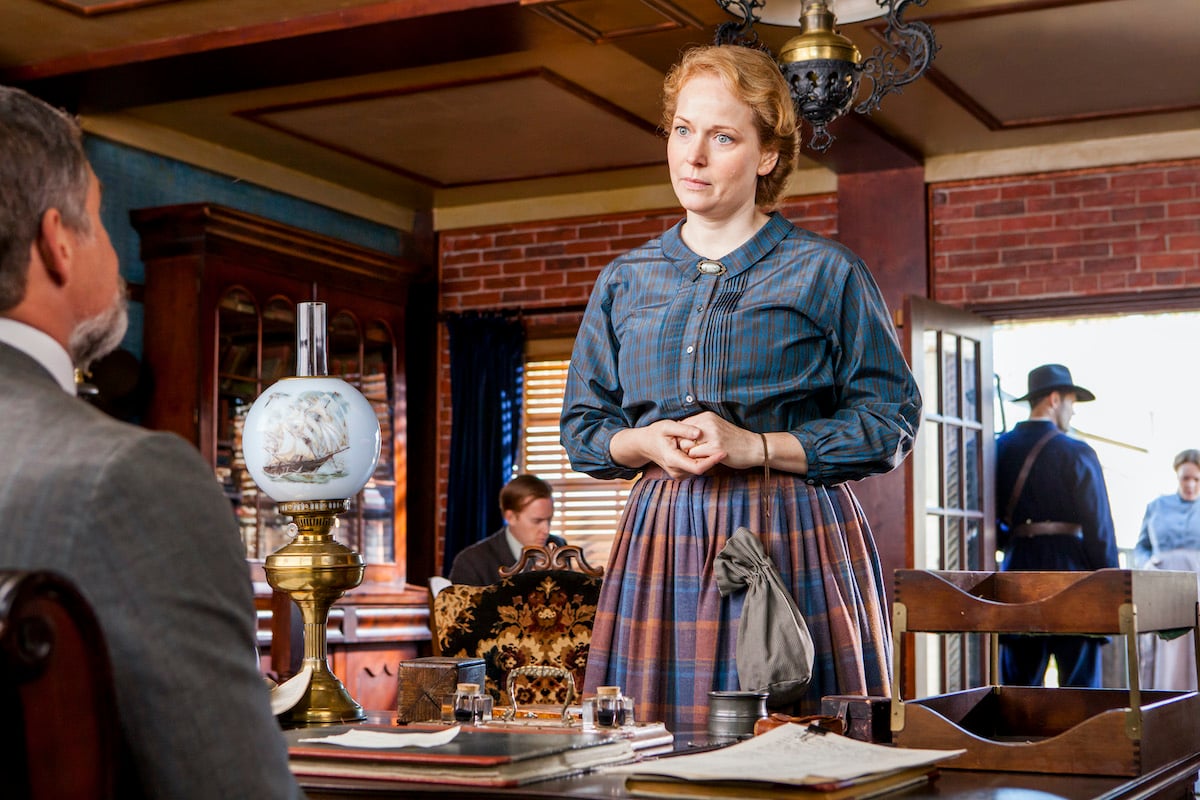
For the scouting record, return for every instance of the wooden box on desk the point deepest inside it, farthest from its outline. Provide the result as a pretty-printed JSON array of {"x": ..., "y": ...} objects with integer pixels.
[
  {"x": 1033, "y": 729},
  {"x": 865, "y": 718},
  {"x": 424, "y": 682}
]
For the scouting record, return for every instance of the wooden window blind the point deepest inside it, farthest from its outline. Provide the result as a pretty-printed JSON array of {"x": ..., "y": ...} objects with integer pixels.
[{"x": 586, "y": 510}]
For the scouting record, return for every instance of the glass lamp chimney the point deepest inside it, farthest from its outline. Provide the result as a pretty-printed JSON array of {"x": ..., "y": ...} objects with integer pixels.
[{"x": 310, "y": 340}]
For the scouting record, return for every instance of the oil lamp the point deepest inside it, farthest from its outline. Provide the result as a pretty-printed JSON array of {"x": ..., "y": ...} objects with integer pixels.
[
  {"x": 310, "y": 443},
  {"x": 823, "y": 67}
]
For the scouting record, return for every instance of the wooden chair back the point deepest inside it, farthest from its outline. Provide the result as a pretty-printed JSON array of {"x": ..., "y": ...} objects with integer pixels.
[
  {"x": 551, "y": 556},
  {"x": 62, "y": 737},
  {"x": 539, "y": 613},
  {"x": 436, "y": 584}
]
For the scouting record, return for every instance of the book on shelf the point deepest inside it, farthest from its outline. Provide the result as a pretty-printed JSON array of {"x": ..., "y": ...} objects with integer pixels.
[
  {"x": 458, "y": 755},
  {"x": 790, "y": 761}
]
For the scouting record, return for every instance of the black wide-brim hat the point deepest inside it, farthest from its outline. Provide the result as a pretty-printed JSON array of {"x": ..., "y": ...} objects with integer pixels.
[{"x": 1049, "y": 377}]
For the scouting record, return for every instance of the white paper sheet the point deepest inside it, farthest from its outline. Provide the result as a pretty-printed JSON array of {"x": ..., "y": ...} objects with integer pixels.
[
  {"x": 386, "y": 739},
  {"x": 287, "y": 694},
  {"x": 791, "y": 754}
]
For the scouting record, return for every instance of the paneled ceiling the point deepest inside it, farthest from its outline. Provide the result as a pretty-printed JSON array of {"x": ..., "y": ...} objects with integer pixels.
[{"x": 433, "y": 104}]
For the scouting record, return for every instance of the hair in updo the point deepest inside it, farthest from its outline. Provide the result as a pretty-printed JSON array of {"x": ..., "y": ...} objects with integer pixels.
[
  {"x": 1187, "y": 457},
  {"x": 753, "y": 77}
]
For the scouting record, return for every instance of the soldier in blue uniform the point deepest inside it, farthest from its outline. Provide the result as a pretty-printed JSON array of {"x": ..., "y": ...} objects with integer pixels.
[{"x": 1054, "y": 515}]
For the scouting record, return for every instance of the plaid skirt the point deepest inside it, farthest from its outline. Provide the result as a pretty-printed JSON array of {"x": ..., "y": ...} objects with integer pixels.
[{"x": 664, "y": 634}]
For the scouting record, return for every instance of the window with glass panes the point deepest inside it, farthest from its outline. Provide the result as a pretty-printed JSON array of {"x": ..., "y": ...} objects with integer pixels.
[{"x": 586, "y": 509}]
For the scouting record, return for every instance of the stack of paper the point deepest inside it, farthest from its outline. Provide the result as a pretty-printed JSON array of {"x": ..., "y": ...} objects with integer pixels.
[
  {"x": 465, "y": 756},
  {"x": 791, "y": 761}
]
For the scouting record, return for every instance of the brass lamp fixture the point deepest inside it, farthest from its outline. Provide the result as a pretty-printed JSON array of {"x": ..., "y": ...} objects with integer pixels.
[
  {"x": 311, "y": 442},
  {"x": 823, "y": 67}
]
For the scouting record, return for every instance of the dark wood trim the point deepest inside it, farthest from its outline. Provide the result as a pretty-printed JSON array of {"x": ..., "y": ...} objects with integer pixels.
[
  {"x": 675, "y": 19},
  {"x": 1015, "y": 7},
  {"x": 421, "y": 376},
  {"x": 197, "y": 226},
  {"x": 1158, "y": 300},
  {"x": 341, "y": 19},
  {"x": 101, "y": 7},
  {"x": 994, "y": 123},
  {"x": 977, "y": 109}
]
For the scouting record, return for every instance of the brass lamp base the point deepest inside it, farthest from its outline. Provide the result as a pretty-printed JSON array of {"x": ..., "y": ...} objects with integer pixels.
[{"x": 315, "y": 571}]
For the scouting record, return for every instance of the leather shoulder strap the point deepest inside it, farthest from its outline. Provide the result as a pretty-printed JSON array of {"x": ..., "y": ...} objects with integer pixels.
[{"x": 1023, "y": 475}]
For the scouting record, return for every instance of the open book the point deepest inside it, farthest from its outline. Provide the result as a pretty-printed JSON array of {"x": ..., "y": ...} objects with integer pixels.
[
  {"x": 464, "y": 756},
  {"x": 791, "y": 761}
]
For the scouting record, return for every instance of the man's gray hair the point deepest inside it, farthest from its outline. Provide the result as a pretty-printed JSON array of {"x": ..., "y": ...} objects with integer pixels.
[{"x": 42, "y": 166}]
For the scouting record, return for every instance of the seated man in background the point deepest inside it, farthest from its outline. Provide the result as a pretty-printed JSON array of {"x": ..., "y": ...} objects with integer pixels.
[
  {"x": 528, "y": 505},
  {"x": 134, "y": 518}
]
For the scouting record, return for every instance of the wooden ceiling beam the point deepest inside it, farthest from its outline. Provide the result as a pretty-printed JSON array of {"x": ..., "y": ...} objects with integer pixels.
[
  {"x": 155, "y": 73},
  {"x": 208, "y": 41}
]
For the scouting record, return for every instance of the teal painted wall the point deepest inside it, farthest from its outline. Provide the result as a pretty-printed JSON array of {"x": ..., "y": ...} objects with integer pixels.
[{"x": 133, "y": 179}]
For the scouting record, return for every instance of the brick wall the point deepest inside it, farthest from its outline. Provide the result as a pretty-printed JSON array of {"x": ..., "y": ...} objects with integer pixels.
[
  {"x": 551, "y": 266},
  {"x": 1087, "y": 232}
]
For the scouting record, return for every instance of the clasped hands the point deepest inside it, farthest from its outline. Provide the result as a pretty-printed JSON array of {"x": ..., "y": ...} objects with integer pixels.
[{"x": 694, "y": 445}]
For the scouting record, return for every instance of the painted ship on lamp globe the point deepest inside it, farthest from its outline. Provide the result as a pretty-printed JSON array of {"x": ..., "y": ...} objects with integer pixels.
[{"x": 304, "y": 434}]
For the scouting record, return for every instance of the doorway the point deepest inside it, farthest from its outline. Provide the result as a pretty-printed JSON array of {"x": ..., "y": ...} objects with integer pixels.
[{"x": 1143, "y": 371}]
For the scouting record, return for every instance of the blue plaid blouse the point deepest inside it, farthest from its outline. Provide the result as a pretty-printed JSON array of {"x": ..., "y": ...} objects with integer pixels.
[{"x": 793, "y": 337}]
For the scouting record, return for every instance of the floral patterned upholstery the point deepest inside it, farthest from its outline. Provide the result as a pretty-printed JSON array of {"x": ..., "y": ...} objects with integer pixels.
[{"x": 539, "y": 618}]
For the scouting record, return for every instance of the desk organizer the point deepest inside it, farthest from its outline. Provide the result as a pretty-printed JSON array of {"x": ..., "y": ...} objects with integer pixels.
[
  {"x": 423, "y": 683},
  {"x": 1033, "y": 729}
]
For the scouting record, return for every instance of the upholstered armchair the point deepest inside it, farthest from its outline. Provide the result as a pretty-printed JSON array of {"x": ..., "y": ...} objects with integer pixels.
[{"x": 539, "y": 613}]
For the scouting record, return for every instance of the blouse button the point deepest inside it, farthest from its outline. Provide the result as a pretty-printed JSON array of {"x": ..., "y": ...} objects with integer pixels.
[
  {"x": 689, "y": 399},
  {"x": 690, "y": 348}
]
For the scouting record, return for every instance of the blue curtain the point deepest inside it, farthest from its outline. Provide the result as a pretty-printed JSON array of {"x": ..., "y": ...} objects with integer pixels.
[{"x": 487, "y": 364}]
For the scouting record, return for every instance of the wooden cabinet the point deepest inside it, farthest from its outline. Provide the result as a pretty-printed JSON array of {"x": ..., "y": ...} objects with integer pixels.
[{"x": 220, "y": 296}]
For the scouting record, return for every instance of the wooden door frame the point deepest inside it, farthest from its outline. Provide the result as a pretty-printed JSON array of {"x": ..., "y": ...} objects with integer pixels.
[{"x": 921, "y": 315}]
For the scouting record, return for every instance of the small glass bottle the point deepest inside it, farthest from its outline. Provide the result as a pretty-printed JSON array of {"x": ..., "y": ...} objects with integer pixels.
[
  {"x": 466, "y": 702},
  {"x": 625, "y": 715},
  {"x": 608, "y": 707}
]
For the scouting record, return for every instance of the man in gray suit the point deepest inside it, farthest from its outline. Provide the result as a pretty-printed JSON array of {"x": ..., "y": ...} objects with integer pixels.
[{"x": 133, "y": 517}]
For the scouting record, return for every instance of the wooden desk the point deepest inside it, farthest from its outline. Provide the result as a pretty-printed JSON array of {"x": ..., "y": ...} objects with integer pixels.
[{"x": 1171, "y": 782}]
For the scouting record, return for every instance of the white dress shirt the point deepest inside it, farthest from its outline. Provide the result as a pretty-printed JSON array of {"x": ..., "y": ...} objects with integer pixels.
[{"x": 42, "y": 348}]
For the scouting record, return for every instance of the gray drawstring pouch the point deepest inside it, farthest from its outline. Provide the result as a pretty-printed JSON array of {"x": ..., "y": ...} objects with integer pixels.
[{"x": 774, "y": 648}]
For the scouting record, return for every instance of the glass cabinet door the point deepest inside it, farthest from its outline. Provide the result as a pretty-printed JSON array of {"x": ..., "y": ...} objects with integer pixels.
[
  {"x": 363, "y": 357},
  {"x": 237, "y": 383},
  {"x": 255, "y": 348},
  {"x": 379, "y": 536}
]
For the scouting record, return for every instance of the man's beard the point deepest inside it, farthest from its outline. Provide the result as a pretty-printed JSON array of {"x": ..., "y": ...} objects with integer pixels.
[{"x": 98, "y": 336}]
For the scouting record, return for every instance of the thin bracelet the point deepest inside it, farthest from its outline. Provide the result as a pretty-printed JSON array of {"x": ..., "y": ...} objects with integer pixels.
[{"x": 766, "y": 476}]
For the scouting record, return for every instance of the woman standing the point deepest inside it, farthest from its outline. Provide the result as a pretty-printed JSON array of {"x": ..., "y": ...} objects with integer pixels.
[
  {"x": 735, "y": 345},
  {"x": 1170, "y": 539}
]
